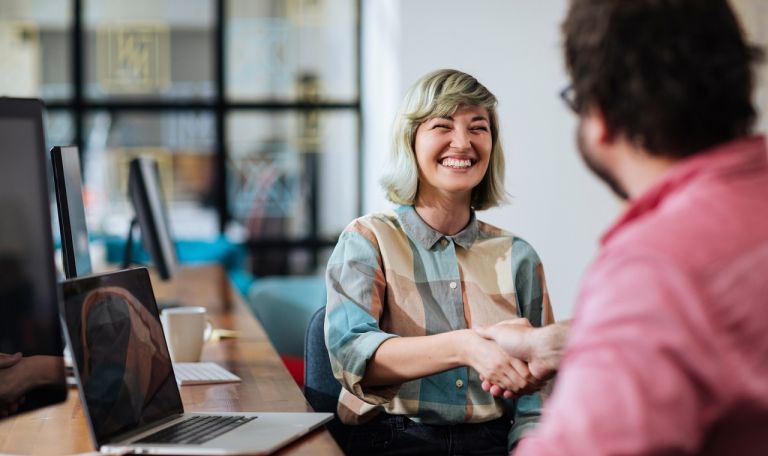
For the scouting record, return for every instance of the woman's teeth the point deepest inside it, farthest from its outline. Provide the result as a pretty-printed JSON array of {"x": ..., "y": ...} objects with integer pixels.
[{"x": 456, "y": 163}]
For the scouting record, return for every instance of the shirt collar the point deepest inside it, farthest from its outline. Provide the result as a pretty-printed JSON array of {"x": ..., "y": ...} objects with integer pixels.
[
  {"x": 426, "y": 236},
  {"x": 740, "y": 155}
]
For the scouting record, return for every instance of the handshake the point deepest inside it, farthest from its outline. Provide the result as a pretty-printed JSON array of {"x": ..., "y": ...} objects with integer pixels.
[{"x": 514, "y": 358}]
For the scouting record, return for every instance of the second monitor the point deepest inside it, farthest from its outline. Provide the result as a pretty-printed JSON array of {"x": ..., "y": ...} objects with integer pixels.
[
  {"x": 151, "y": 216},
  {"x": 69, "y": 198}
]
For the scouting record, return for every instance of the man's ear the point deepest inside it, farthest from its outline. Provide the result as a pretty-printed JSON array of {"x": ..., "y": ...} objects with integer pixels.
[{"x": 595, "y": 127}]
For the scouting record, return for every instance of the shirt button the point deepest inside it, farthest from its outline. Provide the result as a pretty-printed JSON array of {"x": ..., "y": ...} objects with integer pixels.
[
  {"x": 452, "y": 285},
  {"x": 444, "y": 242},
  {"x": 459, "y": 383}
]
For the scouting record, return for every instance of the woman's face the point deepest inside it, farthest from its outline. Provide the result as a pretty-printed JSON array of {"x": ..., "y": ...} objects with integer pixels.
[{"x": 453, "y": 152}]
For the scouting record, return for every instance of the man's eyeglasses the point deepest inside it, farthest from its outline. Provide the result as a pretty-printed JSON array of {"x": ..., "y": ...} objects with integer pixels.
[{"x": 569, "y": 97}]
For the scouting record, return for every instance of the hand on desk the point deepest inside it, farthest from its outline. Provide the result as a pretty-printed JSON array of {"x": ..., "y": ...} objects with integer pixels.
[
  {"x": 10, "y": 395},
  {"x": 19, "y": 374},
  {"x": 7, "y": 360},
  {"x": 539, "y": 348}
]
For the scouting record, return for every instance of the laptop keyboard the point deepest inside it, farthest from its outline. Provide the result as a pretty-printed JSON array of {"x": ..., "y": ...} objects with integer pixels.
[{"x": 197, "y": 429}]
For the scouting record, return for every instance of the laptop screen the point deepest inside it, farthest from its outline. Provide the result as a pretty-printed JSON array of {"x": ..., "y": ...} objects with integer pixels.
[{"x": 124, "y": 369}]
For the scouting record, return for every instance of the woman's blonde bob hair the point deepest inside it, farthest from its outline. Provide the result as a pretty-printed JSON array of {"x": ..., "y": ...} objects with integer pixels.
[{"x": 439, "y": 94}]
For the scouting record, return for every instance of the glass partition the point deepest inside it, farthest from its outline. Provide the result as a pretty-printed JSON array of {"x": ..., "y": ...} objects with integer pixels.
[
  {"x": 35, "y": 47},
  {"x": 272, "y": 45},
  {"x": 251, "y": 107},
  {"x": 149, "y": 49}
]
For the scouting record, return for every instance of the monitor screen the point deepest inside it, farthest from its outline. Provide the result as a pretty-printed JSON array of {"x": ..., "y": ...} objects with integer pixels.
[
  {"x": 29, "y": 301},
  {"x": 144, "y": 192},
  {"x": 69, "y": 198}
]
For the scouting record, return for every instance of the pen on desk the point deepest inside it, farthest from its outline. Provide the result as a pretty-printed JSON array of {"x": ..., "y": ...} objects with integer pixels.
[{"x": 219, "y": 333}]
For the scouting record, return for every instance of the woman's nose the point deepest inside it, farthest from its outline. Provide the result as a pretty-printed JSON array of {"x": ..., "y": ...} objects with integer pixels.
[{"x": 460, "y": 139}]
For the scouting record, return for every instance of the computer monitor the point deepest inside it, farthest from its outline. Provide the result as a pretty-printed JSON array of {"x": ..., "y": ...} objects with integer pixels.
[
  {"x": 146, "y": 197},
  {"x": 29, "y": 297},
  {"x": 68, "y": 183}
]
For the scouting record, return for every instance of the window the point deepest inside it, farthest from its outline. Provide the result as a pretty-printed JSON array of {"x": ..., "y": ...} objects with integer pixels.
[{"x": 251, "y": 108}]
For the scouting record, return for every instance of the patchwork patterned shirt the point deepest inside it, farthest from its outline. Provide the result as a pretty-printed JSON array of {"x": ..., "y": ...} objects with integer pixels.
[{"x": 393, "y": 275}]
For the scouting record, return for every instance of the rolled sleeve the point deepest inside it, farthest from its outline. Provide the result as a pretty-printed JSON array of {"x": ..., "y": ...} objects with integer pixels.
[
  {"x": 530, "y": 285},
  {"x": 356, "y": 290}
]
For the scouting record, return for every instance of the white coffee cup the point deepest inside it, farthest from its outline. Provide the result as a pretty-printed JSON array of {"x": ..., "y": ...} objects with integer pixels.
[{"x": 186, "y": 329}]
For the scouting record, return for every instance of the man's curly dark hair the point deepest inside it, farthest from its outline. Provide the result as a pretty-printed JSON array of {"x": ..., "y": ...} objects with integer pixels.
[{"x": 674, "y": 76}]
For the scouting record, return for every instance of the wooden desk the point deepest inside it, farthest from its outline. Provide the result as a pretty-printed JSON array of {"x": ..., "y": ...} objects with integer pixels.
[{"x": 267, "y": 386}]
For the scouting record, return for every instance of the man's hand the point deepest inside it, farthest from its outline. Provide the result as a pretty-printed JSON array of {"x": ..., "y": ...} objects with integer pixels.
[
  {"x": 510, "y": 335},
  {"x": 541, "y": 348},
  {"x": 496, "y": 367}
]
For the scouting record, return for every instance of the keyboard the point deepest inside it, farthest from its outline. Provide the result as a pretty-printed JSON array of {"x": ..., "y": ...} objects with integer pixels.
[
  {"x": 202, "y": 373},
  {"x": 197, "y": 429}
]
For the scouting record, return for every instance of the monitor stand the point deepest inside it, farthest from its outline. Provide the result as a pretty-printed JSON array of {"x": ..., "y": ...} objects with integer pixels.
[
  {"x": 128, "y": 260},
  {"x": 128, "y": 252}
]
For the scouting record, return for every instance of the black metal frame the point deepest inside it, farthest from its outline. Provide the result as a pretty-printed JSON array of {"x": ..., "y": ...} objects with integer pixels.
[{"x": 78, "y": 106}]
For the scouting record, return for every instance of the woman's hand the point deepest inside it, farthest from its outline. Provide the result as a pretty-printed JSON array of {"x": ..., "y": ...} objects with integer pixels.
[{"x": 496, "y": 367}]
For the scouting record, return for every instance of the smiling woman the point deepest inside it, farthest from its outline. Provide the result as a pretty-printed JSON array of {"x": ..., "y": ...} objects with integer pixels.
[
  {"x": 434, "y": 102},
  {"x": 404, "y": 288}
]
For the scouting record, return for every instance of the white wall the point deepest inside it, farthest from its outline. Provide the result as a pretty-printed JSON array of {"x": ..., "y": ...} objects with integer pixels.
[
  {"x": 513, "y": 48},
  {"x": 754, "y": 18}
]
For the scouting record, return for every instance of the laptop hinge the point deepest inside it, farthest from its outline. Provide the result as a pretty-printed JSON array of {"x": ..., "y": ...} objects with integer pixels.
[{"x": 121, "y": 439}]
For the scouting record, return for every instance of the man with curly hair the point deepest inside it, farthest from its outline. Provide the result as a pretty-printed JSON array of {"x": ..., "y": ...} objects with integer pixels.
[{"x": 667, "y": 352}]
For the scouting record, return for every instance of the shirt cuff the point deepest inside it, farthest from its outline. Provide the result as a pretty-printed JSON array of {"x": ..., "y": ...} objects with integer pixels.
[{"x": 365, "y": 346}]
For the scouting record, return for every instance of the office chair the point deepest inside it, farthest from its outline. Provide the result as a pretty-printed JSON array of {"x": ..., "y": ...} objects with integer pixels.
[{"x": 321, "y": 389}]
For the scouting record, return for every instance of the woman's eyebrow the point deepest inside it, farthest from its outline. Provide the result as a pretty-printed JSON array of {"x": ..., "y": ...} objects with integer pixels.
[{"x": 479, "y": 117}]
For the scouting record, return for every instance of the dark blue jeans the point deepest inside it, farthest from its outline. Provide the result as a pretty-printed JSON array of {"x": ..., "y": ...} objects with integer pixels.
[{"x": 398, "y": 435}]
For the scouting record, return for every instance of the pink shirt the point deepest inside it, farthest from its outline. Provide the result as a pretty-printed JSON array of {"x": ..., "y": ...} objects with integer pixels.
[{"x": 668, "y": 350}]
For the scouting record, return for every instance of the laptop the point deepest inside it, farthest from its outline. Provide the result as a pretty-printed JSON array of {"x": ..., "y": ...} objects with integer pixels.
[{"x": 127, "y": 385}]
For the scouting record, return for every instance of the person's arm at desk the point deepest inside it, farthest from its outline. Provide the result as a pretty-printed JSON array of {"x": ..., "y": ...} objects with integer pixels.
[
  {"x": 400, "y": 359},
  {"x": 19, "y": 374}
]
